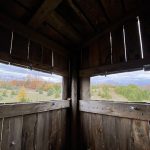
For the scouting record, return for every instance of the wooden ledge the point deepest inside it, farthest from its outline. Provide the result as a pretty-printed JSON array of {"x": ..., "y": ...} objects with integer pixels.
[
  {"x": 19, "y": 109},
  {"x": 140, "y": 111}
]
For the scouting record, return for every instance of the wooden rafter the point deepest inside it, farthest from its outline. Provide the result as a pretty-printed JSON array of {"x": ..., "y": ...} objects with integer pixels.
[
  {"x": 41, "y": 14},
  {"x": 61, "y": 25},
  {"x": 79, "y": 13},
  {"x": 104, "y": 11},
  {"x": 110, "y": 28}
]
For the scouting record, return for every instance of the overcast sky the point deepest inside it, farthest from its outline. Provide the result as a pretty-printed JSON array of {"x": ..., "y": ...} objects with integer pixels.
[
  {"x": 136, "y": 77},
  {"x": 9, "y": 72}
]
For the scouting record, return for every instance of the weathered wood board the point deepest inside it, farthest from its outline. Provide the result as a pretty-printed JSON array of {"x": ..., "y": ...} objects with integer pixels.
[
  {"x": 42, "y": 130},
  {"x": 105, "y": 131}
]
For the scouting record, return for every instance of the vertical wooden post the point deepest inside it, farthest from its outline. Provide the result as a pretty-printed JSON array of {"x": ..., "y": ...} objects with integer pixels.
[
  {"x": 74, "y": 104},
  {"x": 65, "y": 88},
  {"x": 85, "y": 119},
  {"x": 85, "y": 88}
]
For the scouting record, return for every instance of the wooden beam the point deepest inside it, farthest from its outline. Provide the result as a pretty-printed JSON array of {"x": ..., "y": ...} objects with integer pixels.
[
  {"x": 74, "y": 103},
  {"x": 30, "y": 34},
  {"x": 118, "y": 109},
  {"x": 80, "y": 14},
  {"x": 61, "y": 25},
  {"x": 85, "y": 88},
  {"x": 41, "y": 14},
  {"x": 114, "y": 68},
  {"x": 19, "y": 109}
]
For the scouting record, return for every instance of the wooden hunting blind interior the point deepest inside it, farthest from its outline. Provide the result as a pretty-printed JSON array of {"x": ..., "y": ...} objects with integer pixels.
[{"x": 76, "y": 39}]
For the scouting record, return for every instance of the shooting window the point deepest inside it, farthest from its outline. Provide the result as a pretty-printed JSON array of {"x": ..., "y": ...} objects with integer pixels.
[
  {"x": 128, "y": 86},
  {"x": 18, "y": 84}
]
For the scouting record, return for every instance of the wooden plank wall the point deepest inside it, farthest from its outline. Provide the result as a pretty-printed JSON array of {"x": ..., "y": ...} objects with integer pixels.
[
  {"x": 112, "y": 51},
  {"x": 20, "y": 50},
  {"x": 105, "y": 131},
  {"x": 43, "y": 129}
]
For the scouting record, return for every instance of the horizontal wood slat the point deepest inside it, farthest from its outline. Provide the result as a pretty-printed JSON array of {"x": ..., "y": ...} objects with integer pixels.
[
  {"x": 114, "y": 68},
  {"x": 11, "y": 110},
  {"x": 119, "y": 109}
]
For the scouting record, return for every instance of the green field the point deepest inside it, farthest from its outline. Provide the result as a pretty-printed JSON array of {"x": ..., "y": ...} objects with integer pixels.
[{"x": 129, "y": 93}]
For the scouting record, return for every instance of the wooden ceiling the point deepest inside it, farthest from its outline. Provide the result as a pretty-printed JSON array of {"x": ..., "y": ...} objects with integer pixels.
[{"x": 69, "y": 23}]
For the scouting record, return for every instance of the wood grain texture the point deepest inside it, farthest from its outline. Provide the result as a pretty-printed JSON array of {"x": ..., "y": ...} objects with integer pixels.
[
  {"x": 12, "y": 133},
  {"x": 114, "y": 68},
  {"x": 140, "y": 135},
  {"x": 103, "y": 132},
  {"x": 42, "y": 131},
  {"x": 28, "y": 132},
  {"x": 41, "y": 14},
  {"x": 125, "y": 110},
  {"x": 10, "y": 110},
  {"x": 123, "y": 133}
]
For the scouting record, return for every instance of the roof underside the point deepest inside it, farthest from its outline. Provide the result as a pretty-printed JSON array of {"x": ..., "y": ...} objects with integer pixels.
[{"x": 70, "y": 23}]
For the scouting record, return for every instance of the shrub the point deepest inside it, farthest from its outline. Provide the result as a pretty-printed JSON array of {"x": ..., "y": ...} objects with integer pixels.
[
  {"x": 13, "y": 93},
  {"x": 50, "y": 92},
  {"x": 106, "y": 92},
  {"x": 4, "y": 93},
  {"x": 22, "y": 96},
  {"x": 133, "y": 93}
]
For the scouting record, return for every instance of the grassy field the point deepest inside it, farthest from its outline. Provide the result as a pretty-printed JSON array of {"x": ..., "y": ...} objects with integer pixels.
[{"x": 130, "y": 93}]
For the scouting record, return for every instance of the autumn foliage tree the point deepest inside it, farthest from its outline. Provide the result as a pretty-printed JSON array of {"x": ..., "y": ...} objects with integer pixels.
[{"x": 22, "y": 96}]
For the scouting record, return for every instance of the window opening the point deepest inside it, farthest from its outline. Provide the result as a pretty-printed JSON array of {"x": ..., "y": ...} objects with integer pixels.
[
  {"x": 19, "y": 84},
  {"x": 128, "y": 86}
]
